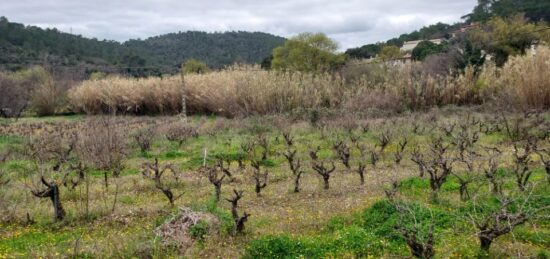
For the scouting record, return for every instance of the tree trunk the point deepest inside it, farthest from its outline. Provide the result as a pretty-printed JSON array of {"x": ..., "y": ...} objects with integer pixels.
[
  {"x": 218, "y": 192},
  {"x": 297, "y": 184},
  {"x": 434, "y": 195},
  {"x": 56, "y": 201},
  {"x": 485, "y": 242},
  {"x": 106, "y": 179},
  {"x": 326, "y": 181},
  {"x": 464, "y": 194}
]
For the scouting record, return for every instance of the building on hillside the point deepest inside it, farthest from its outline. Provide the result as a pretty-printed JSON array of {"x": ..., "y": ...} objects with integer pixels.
[{"x": 410, "y": 45}]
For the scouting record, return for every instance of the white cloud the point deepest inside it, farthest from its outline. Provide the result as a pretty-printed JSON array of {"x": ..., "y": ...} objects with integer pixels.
[{"x": 352, "y": 23}]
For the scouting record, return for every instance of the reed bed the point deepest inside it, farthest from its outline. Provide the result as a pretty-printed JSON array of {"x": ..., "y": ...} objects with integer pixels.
[{"x": 248, "y": 90}]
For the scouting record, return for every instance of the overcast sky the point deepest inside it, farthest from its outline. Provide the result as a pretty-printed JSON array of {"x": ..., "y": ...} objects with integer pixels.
[{"x": 350, "y": 22}]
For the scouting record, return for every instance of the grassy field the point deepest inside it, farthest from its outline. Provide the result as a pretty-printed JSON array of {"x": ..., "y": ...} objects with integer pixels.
[{"x": 349, "y": 220}]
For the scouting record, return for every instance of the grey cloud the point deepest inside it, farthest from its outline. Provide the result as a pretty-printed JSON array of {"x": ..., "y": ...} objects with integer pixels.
[{"x": 351, "y": 23}]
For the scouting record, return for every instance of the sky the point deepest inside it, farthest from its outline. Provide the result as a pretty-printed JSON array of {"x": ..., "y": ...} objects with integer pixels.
[{"x": 351, "y": 23}]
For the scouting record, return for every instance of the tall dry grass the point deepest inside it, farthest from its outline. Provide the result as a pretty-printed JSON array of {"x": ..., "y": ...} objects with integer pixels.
[
  {"x": 525, "y": 79},
  {"x": 242, "y": 90},
  {"x": 125, "y": 95},
  {"x": 232, "y": 92}
]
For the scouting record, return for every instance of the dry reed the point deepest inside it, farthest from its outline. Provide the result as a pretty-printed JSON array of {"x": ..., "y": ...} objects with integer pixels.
[{"x": 245, "y": 90}]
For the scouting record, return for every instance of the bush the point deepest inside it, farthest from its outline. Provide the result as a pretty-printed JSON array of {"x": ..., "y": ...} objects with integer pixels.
[
  {"x": 193, "y": 66},
  {"x": 382, "y": 217},
  {"x": 199, "y": 230},
  {"x": 33, "y": 86},
  {"x": 46, "y": 96},
  {"x": 144, "y": 139},
  {"x": 13, "y": 98},
  {"x": 178, "y": 132}
]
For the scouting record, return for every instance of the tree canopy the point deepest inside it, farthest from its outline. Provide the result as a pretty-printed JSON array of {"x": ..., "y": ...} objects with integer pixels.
[
  {"x": 534, "y": 10},
  {"x": 507, "y": 37},
  {"x": 366, "y": 51},
  {"x": 193, "y": 66},
  {"x": 308, "y": 52},
  {"x": 426, "y": 48},
  {"x": 390, "y": 52}
]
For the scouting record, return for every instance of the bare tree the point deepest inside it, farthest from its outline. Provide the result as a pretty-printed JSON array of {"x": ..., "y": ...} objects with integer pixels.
[
  {"x": 263, "y": 141},
  {"x": 259, "y": 178},
  {"x": 247, "y": 147},
  {"x": 465, "y": 139},
  {"x": 418, "y": 158},
  {"x": 215, "y": 179},
  {"x": 522, "y": 158},
  {"x": 361, "y": 168},
  {"x": 392, "y": 191},
  {"x": 52, "y": 192},
  {"x": 448, "y": 128},
  {"x": 398, "y": 156},
  {"x": 354, "y": 138},
  {"x": 384, "y": 140},
  {"x": 155, "y": 172},
  {"x": 314, "y": 153},
  {"x": 491, "y": 171},
  {"x": 289, "y": 140},
  {"x": 102, "y": 146},
  {"x": 179, "y": 132},
  {"x": 420, "y": 244},
  {"x": 343, "y": 152},
  {"x": 225, "y": 166},
  {"x": 239, "y": 220},
  {"x": 295, "y": 166},
  {"x": 324, "y": 171},
  {"x": 467, "y": 177},
  {"x": 80, "y": 175},
  {"x": 144, "y": 138},
  {"x": 438, "y": 165},
  {"x": 374, "y": 158},
  {"x": 544, "y": 155},
  {"x": 510, "y": 214},
  {"x": 14, "y": 98}
]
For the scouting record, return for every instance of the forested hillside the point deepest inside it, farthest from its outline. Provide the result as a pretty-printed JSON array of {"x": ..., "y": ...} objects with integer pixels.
[
  {"x": 216, "y": 49},
  {"x": 22, "y": 46}
]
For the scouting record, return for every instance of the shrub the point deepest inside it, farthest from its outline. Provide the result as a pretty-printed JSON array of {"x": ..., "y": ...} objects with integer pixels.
[
  {"x": 193, "y": 66},
  {"x": 178, "y": 132},
  {"x": 34, "y": 86},
  {"x": 46, "y": 96},
  {"x": 144, "y": 139},
  {"x": 13, "y": 98},
  {"x": 382, "y": 217},
  {"x": 199, "y": 230}
]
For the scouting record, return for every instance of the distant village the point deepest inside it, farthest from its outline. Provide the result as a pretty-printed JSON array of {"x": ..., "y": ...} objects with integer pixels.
[{"x": 409, "y": 46}]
